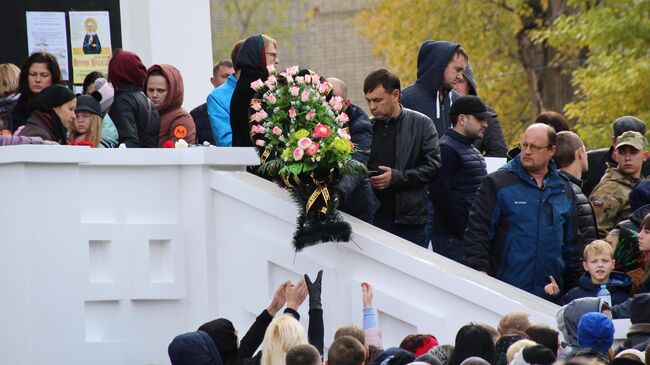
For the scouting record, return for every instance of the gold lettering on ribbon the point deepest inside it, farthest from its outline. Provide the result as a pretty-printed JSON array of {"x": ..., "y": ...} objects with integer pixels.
[{"x": 265, "y": 155}]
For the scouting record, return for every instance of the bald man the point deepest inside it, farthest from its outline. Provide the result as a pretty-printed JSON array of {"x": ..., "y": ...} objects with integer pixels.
[{"x": 521, "y": 226}]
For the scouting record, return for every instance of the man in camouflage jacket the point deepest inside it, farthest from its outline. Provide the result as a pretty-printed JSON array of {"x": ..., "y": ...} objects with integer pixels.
[{"x": 610, "y": 198}]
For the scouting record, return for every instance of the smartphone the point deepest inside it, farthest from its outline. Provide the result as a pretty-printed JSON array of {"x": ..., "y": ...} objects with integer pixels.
[{"x": 375, "y": 172}]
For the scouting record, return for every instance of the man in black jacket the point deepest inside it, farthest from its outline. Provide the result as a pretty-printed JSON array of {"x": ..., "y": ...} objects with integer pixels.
[
  {"x": 354, "y": 192},
  {"x": 404, "y": 158},
  {"x": 463, "y": 170},
  {"x": 599, "y": 158},
  {"x": 571, "y": 159}
]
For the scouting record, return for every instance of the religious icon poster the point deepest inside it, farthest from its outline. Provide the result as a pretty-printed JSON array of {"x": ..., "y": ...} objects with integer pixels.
[{"x": 90, "y": 39}]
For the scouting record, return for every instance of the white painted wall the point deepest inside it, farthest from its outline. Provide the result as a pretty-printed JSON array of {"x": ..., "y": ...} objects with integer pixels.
[
  {"x": 106, "y": 255},
  {"x": 173, "y": 32}
]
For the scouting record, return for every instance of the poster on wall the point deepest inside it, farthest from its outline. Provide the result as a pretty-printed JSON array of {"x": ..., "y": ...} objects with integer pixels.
[
  {"x": 90, "y": 37},
  {"x": 46, "y": 33}
]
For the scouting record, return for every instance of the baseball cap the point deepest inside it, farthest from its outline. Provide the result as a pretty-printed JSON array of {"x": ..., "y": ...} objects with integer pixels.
[
  {"x": 632, "y": 138},
  {"x": 471, "y": 105},
  {"x": 89, "y": 104},
  {"x": 628, "y": 123}
]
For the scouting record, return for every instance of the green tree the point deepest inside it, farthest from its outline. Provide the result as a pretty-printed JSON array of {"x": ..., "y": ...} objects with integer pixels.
[
  {"x": 515, "y": 75},
  {"x": 615, "y": 79}
]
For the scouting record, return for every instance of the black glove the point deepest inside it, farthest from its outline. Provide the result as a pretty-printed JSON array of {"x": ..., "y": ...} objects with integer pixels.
[{"x": 314, "y": 291}]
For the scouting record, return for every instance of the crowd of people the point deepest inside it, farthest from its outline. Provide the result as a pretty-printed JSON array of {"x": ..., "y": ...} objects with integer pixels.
[
  {"x": 585, "y": 325},
  {"x": 557, "y": 221}
]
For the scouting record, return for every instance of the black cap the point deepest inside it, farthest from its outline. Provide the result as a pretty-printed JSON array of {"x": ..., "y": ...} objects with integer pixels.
[
  {"x": 628, "y": 123},
  {"x": 89, "y": 104},
  {"x": 471, "y": 105},
  {"x": 52, "y": 96}
]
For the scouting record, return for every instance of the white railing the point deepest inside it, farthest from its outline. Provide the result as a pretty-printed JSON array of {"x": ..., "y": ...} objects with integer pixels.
[{"x": 106, "y": 255}]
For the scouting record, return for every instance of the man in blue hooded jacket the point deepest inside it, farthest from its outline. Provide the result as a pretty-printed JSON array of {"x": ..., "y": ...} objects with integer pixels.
[{"x": 521, "y": 227}]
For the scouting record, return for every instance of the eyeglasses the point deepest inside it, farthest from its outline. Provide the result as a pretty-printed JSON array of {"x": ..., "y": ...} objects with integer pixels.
[
  {"x": 272, "y": 54},
  {"x": 523, "y": 146}
]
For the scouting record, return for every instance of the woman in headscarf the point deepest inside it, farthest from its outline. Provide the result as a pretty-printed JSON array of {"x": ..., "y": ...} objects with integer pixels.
[
  {"x": 135, "y": 117},
  {"x": 53, "y": 114},
  {"x": 257, "y": 52},
  {"x": 164, "y": 87}
]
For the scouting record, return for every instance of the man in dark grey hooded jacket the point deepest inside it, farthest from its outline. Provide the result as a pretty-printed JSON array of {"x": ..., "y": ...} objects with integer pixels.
[
  {"x": 440, "y": 66},
  {"x": 493, "y": 144}
]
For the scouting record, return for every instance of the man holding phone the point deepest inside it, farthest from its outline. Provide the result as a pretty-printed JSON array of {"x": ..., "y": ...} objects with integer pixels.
[{"x": 404, "y": 158}]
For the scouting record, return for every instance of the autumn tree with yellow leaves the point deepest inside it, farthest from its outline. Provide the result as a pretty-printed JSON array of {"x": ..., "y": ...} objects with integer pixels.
[{"x": 531, "y": 55}]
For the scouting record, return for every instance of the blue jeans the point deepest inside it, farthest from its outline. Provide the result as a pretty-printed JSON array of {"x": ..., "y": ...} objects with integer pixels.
[
  {"x": 451, "y": 247},
  {"x": 409, "y": 232}
]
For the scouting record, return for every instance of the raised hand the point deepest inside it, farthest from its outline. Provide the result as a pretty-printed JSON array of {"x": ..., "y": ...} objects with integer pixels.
[
  {"x": 279, "y": 298},
  {"x": 315, "y": 291},
  {"x": 552, "y": 288},
  {"x": 296, "y": 294},
  {"x": 366, "y": 294}
]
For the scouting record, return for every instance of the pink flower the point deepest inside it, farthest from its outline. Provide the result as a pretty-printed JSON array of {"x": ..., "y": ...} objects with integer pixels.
[
  {"x": 321, "y": 131},
  {"x": 324, "y": 86},
  {"x": 308, "y": 78},
  {"x": 292, "y": 70},
  {"x": 271, "y": 69},
  {"x": 315, "y": 79},
  {"x": 260, "y": 142},
  {"x": 258, "y": 129},
  {"x": 256, "y": 105},
  {"x": 310, "y": 115},
  {"x": 304, "y": 143},
  {"x": 257, "y": 84},
  {"x": 292, "y": 113},
  {"x": 342, "y": 118},
  {"x": 271, "y": 98},
  {"x": 336, "y": 103},
  {"x": 289, "y": 79},
  {"x": 312, "y": 149},
  {"x": 305, "y": 96},
  {"x": 343, "y": 134},
  {"x": 298, "y": 153},
  {"x": 259, "y": 116},
  {"x": 277, "y": 131},
  {"x": 294, "y": 90},
  {"x": 270, "y": 82},
  {"x": 300, "y": 80}
]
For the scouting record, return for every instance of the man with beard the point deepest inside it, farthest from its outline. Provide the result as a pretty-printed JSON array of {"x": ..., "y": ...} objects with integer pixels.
[{"x": 463, "y": 170}]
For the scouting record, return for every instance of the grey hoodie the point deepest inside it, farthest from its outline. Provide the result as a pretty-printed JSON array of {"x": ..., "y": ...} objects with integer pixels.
[{"x": 568, "y": 318}]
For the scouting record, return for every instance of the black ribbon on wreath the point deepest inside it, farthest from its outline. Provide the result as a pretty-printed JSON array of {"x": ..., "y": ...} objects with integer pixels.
[{"x": 318, "y": 219}]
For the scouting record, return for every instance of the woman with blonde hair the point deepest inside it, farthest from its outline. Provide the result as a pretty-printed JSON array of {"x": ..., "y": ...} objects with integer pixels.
[
  {"x": 87, "y": 126},
  {"x": 282, "y": 335},
  {"x": 9, "y": 75}
]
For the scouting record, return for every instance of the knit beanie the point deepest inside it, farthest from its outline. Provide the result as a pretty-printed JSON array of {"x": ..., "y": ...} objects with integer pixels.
[
  {"x": 105, "y": 89},
  {"x": 441, "y": 354},
  {"x": 640, "y": 309},
  {"x": 50, "y": 97},
  {"x": 223, "y": 334},
  {"x": 596, "y": 331}
]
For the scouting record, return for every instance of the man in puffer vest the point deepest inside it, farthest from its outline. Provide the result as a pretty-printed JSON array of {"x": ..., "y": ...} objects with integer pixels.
[{"x": 463, "y": 170}]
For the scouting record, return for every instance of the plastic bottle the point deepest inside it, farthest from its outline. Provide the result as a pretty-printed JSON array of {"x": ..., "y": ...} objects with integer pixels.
[{"x": 603, "y": 294}]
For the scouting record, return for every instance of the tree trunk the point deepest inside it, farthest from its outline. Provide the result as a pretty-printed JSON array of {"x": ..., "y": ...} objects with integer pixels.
[{"x": 549, "y": 86}]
